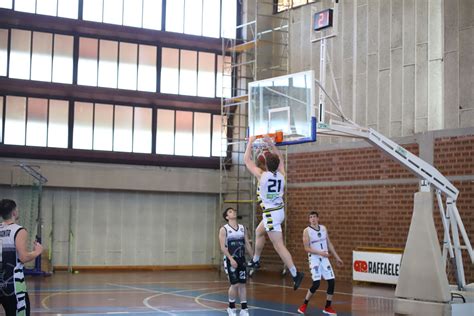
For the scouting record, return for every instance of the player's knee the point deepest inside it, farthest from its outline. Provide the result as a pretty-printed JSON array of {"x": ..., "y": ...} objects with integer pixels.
[
  {"x": 331, "y": 285},
  {"x": 315, "y": 286}
]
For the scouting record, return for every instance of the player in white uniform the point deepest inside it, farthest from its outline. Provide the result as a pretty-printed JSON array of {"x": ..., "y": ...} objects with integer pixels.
[
  {"x": 234, "y": 241},
  {"x": 317, "y": 244},
  {"x": 270, "y": 190}
]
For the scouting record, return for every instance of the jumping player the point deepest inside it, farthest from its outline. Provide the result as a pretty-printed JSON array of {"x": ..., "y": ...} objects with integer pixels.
[
  {"x": 317, "y": 244},
  {"x": 270, "y": 190},
  {"x": 234, "y": 241}
]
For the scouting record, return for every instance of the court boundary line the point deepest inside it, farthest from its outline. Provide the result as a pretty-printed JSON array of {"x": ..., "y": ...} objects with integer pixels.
[{"x": 206, "y": 299}]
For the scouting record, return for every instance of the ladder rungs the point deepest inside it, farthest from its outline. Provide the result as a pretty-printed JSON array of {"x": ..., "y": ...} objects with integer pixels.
[{"x": 239, "y": 98}]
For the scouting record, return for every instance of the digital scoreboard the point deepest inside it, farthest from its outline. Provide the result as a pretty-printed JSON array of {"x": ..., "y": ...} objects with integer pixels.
[{"x": 322, "y": 20}]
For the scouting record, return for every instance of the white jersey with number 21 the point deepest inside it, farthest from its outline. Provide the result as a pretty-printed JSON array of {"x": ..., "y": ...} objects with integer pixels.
[{"x": 271, "y": 189}]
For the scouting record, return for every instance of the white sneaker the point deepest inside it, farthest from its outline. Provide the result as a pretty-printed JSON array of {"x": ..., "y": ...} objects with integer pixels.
[
  {"x": 232, "y": 311},
  {"x": 244, "y": 312}
]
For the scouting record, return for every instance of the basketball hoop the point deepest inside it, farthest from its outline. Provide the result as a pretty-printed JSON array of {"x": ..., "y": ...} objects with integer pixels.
[{"x": 276, "y": 137}]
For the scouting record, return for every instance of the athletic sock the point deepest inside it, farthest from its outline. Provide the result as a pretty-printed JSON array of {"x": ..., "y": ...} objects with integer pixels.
[
  {"x": 306, "y": 302},
  {"x": 328, "y": 303},
  {"x": 256, "y": 258},
  {"x": 293, "y": 271},
  {"x": 232, "y": 304},
  {"x": 243, "y": 305}
]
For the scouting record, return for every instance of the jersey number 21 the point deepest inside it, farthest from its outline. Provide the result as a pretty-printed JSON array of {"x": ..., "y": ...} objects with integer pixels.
[{"x": 272, "y": 183}]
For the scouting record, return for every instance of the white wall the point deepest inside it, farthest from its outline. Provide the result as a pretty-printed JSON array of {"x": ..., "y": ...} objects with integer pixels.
[
  {"x": 122, "y": 214},
  {"x": 127, "y": 228}
]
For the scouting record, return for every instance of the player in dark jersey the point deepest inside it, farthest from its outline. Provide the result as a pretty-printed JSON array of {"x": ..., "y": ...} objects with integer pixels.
[
  {"x": 13, "y": 254},
  {"x": 234, "y": 241}
]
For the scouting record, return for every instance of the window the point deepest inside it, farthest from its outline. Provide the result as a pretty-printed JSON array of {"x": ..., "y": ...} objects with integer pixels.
[
  {"x": 142, "y": 130},
  {"x": 15, "y": 115},
  {"x": 187, "y": 72},
  {"x": 7, "y": 4},
  {"x": 193, "y": 17},
  {"x": 68, "y": 8},
  {"x": 103, "y": 125},
  {"x": 169, "y": 70},
  {"x": 92, "y": 10},
  {"x": 206, "y": 75},
  {"x": 82, "y": 134},
  {"x": 46, "y": 7},
  {"x": 25, "y": 6},
  {"x": 61, "y": 8},
  {"x": 184, "y": 133},
  {"x": 127, "y": 66},
  {"x": 36, "y": 122},
  {"x": 175, "y": 9},
  {"x": 229, "y": 18},
  {"x": 182, "y": 73},
  {"x": 62, "y": 61},
  {"x": 224, "y": 77},
  {"x": 202, "y": 17},
  {"x": 108, "y": 55},
  {"x": 152, "y": 14},
  {"x": 188, "y": 133},
  {"x": 112, "y": 64},
  {"x": 165, "y": 132},
  {"x": 87, "y": 69},
  {"x": 58, "y": 123},
  {"x": 36, "y": 125},
  {"x": 211, "y": 13},
  {"x": 113, "y": 11},
  {"x": 3, "y": 52},
  {"x": 37, "y": 60},
  {"x": 135, "y": 13},
  {"x": 20, "y": 54},
  {"x": 219, "y": 137},
  {"x": 282, "y": 5},
  {"x": 41, "y": 59},
  {"x": 123, "y": 128},
  {"x": 202, "y": 134},
  {"x": 147, "y": 68},
  {"x": 107, "y": 127},
  {"x": 132, "y": 13}
]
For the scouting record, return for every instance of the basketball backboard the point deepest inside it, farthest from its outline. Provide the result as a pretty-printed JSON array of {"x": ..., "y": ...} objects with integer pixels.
[{"x": 286, "y": 104}]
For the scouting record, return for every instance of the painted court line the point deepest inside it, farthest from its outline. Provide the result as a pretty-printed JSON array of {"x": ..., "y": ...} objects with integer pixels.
[
  {"x": 202, "y": 298},
  {"x": 336, "y": 292}
]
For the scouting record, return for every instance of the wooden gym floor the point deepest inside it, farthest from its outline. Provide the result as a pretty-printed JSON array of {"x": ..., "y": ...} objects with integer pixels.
[{"x": 191, "y": 292}]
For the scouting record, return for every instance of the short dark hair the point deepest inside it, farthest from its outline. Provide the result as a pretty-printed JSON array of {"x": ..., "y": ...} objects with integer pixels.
[
  {"x": 313, "y": 213},
  {"x": 272, "y": 161},
  {"x": 224, "y": 214},
  {"x": 6, "y": 208}
]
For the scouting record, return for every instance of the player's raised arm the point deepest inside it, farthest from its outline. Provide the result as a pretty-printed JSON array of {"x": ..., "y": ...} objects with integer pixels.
[{"x": 251, "y": 166}]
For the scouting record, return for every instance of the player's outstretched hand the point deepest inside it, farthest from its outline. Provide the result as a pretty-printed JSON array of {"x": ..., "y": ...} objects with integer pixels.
[
  {"x": 339, "y": 262},
  {"x": 324, "y": 254},
  {"x": 37, "y": 248}
]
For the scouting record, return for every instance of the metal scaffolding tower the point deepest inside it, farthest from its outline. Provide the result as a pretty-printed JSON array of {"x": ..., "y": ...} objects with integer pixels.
[{"x": 259, "y": 51}]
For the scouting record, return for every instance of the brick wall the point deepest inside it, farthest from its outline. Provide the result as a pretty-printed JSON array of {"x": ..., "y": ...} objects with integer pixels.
[{"x": 366, "y": 199}]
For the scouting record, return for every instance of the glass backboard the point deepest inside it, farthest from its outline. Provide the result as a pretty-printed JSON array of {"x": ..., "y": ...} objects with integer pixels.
[{"x": 284, "y": 104}]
